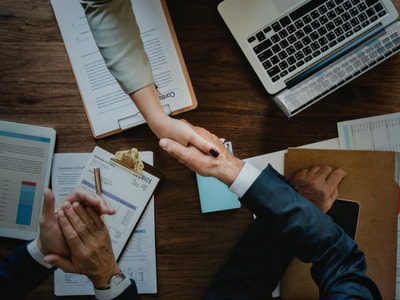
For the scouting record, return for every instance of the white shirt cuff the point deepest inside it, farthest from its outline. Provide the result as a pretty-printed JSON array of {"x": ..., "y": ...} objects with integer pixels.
[
  {"x": 245, "y": 179},
  {"x": 114, "y": 291},
  {"x": 37, "y": 255}
]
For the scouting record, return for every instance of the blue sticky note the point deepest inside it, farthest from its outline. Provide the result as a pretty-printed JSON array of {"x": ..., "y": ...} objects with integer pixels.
[{"x": 215, "y": 195}]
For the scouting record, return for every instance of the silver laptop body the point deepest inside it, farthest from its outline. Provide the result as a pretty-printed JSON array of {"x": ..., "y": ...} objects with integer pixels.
[{"x": 296, "y": 46}]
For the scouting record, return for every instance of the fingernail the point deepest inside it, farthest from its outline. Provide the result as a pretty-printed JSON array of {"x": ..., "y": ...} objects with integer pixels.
[
  {"x": 163, "y": 143},
  {"x": 67, "y": 205},
  {"x": 214, "y": 152}
]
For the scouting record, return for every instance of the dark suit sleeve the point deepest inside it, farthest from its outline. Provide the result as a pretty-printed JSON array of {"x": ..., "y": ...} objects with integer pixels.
[
  {"x": 20, "y": 273},
  {"x": 339, "y": 267},
  {"x": 130, "y": 293}
]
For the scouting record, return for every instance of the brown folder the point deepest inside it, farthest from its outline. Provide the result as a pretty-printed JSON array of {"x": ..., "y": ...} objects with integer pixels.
[{"x": 370, "y": 180}]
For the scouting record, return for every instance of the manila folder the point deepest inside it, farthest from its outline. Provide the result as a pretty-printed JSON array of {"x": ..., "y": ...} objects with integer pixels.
[{"x": 370, "y": 180}]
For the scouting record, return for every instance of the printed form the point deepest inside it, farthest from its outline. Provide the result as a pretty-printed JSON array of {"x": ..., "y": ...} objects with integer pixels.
[
  {"x": 138, "y": 260},
  {"x": 375, "y": 133}
]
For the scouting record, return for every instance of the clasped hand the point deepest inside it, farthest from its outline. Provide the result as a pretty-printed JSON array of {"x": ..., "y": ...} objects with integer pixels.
[
  {"x": 317, "y": 184},
  {"x": 75, "y": 238}
]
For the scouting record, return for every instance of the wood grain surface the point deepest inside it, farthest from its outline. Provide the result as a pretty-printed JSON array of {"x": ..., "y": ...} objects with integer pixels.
[{"x": 37, "y": 86}]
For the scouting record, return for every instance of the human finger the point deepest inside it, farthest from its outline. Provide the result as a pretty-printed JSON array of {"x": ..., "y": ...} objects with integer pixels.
[
  {"x": 336, "y": 176},
  {"x": 189, "y": 135},
  {"x": 204, "y": 145},
  {"x": 97, "y": 221},
  {"x": 323, "y": 172},
  {"x": 80, "y": 225},
  {"x": 82, "y": 221},
  {"x": 90, "y": 199},
  {"x": 60, "y": 262},
  {"x": 48, "y": 204},
  {"x": 70, "y": 234},
  {"x": 313, "y": 170},
  {"x": 178, "y": 151}
]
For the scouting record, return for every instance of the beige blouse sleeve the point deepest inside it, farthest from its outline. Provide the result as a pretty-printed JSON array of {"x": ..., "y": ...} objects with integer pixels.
[{"x": 117, "y": 35}]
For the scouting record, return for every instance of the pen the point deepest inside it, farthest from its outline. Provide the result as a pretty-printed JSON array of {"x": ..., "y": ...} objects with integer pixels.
[{"x": 97, "y": 180}]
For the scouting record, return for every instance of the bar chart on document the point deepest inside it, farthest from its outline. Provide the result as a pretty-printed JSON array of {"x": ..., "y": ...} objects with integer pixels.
[{"x": 18, "y": 211}]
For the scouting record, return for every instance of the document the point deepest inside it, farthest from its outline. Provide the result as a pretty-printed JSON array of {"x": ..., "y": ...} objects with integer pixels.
[
  {"x": 375, "y": 133},
  {"x": 128, "y": 193},
  {"x": 26, "y": 153},
  {"x": 108, "y": 108},
  {"x": 138, "y": 261}
]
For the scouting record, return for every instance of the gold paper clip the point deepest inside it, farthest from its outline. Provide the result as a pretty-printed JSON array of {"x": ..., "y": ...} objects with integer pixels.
[{"x": 129, "y": 159}]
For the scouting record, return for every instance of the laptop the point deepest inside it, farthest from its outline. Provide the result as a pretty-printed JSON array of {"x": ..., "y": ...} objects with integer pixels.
[{"x": 303, "y": 50}]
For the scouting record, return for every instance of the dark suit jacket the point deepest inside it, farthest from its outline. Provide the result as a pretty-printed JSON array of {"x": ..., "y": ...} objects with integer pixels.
[{"x": 288, "y": 225}]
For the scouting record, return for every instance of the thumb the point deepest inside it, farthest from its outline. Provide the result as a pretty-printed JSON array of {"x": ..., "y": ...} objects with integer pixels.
[
  {"x": 48, "y": 204},
  {"x": 60, "y": 262},
  {"x": 173, "y": 148}
]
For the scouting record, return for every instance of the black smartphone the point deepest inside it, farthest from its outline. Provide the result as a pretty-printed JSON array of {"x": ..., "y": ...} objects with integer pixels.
[{"x": 345, "y": 213}]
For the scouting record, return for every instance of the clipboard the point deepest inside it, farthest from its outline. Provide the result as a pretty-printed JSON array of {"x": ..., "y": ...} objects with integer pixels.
[
  {"x": 126, "y": 191},
  {"x": 102, "y": 97}
]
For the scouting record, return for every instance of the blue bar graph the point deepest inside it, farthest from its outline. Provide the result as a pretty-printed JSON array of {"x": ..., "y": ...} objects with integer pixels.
[{"x": 25, "y": 204}]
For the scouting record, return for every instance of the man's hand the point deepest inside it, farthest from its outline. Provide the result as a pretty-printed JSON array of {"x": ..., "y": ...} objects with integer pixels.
[
  {"x": 225, "y": 167},
  {"x": 184, "y": 133},
  {"x": 51, "y": 239},
  {"x": 89, "y": 242},
  {"x": 90, "y": 199},
  {"x": 319, "y": 185}
]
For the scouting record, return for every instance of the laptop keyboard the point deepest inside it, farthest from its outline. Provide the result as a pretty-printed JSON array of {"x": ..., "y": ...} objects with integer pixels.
[
  {"x": 306, "y": 33},
  {"x": 335, "y": 75}
]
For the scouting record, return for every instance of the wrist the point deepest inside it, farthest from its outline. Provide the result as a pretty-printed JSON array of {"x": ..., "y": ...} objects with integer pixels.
[
  {"x": 40, "y": 246},
  {"x": 230, "y": 173},
  {"x": 118, "y": 284},
  {"x": 115, "y": 280},
  {"x": 37, "y": 254},
  {"x": 103, "y": 281}
]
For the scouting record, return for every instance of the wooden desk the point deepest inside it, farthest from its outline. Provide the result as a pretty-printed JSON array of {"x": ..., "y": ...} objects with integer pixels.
[{"x": 37, "y": 87}]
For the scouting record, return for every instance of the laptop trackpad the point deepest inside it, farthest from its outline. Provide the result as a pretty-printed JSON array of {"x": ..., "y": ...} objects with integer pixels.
[{"x": 284, "y": 5}]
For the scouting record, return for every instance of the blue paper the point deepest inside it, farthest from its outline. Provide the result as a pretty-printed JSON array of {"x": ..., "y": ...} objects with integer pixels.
[{"x": 215, "y": 195}]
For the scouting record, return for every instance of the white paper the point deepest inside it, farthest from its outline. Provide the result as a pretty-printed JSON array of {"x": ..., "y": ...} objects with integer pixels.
[
  {"x": 103, "y": 97},
  {"x": 373, "y": 133},
  {"x": 138, "y": 261},
  {"x": 277, "y": 159},
  {"x": 26, "y": 153},
  {"x": 380, "y": 133}
]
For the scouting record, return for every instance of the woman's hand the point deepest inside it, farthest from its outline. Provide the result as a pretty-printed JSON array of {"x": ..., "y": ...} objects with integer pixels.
[{"x": 163, "y": 126}]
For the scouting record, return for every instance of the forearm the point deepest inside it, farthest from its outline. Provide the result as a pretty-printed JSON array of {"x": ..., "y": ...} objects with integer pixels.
[
  {"x": 313, "y": 237},
  {"x": 147, "y": 101}
]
